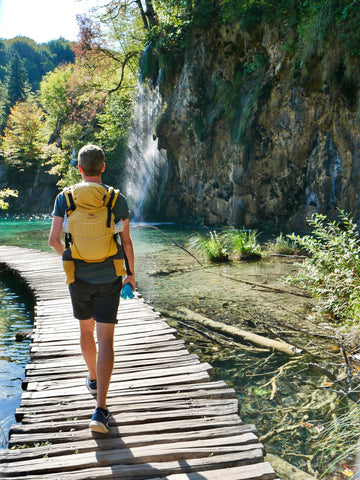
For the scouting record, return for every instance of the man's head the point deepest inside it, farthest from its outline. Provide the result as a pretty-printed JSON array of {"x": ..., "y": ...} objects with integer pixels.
[{"x": 91, "y": 160}]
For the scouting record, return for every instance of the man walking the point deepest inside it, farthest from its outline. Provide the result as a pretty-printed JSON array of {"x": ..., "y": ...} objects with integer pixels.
[{"x": 95, "y": 286}]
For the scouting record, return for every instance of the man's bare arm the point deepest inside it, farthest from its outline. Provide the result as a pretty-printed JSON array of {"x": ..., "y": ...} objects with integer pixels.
[
  {"x": 55, "y": 236},
  {"x": 127, "y": 245}
]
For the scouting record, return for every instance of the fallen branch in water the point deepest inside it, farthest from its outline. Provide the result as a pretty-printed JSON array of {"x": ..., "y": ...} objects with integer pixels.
[
  {"x": 220, "y": 339},
  {"x": 272, "y": 382},
  {"x": 266, "y": 287},
  {"x": 286, "y": 470},
  {"x": 168, "y": 236},
  {"x": 236, "y": 332}
]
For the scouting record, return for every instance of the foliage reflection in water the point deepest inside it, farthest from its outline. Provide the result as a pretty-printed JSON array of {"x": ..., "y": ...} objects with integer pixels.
[{"x": 16, "y": 315}]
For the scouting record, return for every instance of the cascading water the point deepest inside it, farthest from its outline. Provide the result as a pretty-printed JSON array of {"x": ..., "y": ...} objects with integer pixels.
[{"x": 146, "y": 165}]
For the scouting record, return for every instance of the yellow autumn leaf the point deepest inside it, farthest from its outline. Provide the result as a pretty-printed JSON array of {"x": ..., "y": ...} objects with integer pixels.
[
  {"x": 347, "y": 471},
  {"x": 327, "y": 384}
]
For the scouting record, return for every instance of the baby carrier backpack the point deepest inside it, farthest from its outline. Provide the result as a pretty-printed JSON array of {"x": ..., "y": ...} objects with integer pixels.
[{"x": 90, "y": 227}]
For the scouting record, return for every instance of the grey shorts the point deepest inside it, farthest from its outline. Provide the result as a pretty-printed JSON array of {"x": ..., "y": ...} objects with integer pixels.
[{"x": 98, "y": 301}]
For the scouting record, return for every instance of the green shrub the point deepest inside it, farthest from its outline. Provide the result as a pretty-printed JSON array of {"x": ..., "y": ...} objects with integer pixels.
[
  {"x": 331, "y": 273},
  {"x": 283, "y": 245},
  {"x": 242, "y": 243},
  {"x": 212, "y": 247}
]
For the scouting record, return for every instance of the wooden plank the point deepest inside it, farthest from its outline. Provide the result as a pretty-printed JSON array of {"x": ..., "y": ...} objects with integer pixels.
[
  {"x": 72, "y": 385},
  {"x": 172, "y": 452},
  {"x": 246, "y": 432},
  {"x": 141, "y": 471},
  {"x": 151, "y": 346},
  {"x": 55, "y": 374},
  {"x": 68, "y": 365},
  {"x": 69, "y": 349},
  {"x": 50, "y": 343},
  {"x": 121, "y": 419},
  {"x": 86, "y": 411},
  {"x": 22, "y": 437},
  {"x": 140, "y": 392},
  {"x": 129, "y": 401},
  {"x": 119, "y": 367},
  {"x": 132, "y": 384},
  {"x": 144, "y": 345},
  {"x": 262, "y": 471}
]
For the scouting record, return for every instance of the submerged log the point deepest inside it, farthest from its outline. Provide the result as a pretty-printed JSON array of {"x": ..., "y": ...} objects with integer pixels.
[
  {"x": 236, "y": 332},
  {"x": 286, "y": 471}
]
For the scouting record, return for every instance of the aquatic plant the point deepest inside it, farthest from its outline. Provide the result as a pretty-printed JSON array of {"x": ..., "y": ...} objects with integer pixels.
[
  {"x": 283, "y": 245},
  {"x": 242, "y": 243},
  {"x": 339, "y": 442},
  {"x": 212, "y": 247},
  {"x": 331, "y": 274}
]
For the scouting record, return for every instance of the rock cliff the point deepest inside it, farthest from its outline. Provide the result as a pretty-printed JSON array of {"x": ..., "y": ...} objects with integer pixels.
[{"x": 252, "y": 142}]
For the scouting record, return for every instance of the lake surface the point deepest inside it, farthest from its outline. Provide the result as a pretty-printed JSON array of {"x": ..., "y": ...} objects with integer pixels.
[
  {"x": 248, "y": 295},
  {"x": 16, "y": 315}
]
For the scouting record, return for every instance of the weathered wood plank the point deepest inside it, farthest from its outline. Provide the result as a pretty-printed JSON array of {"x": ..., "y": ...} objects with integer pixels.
[
  {"x": 66, "y": 365},
  {"x": 135, "y": 403},
  {"x": 120, "y": 419},
  {"x": 153, "y": 428},
  {"x": 150, "y": 470},
  {"x": 244, "y": 433},
  {"x": 263, "y": 471},
  {"x": 55, "y": 374},
  {"x": 86, "y": 412},
  {"x": 141, "y": 392},
  {"x": 240, "y": 454}
]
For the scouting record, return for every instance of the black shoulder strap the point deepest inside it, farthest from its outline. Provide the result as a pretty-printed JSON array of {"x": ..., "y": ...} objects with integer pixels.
[
  {"x": 69, "y": 201},
  {"x": 70, "y": 207},
  {"x": 110, "y": 205}
]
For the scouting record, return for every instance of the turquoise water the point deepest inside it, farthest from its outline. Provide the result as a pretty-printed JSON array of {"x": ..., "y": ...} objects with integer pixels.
[{"x": 16, "y": 314}]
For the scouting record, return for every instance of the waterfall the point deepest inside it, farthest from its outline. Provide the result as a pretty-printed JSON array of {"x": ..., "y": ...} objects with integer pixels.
[{"x": 146, "y": 165}]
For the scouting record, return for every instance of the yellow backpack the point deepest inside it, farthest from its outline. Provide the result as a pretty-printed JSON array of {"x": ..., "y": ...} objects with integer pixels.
[{"x": 91, "y": 225}]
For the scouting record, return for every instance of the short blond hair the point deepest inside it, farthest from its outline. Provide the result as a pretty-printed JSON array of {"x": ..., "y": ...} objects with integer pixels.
[{"x": 91, "y": 158}]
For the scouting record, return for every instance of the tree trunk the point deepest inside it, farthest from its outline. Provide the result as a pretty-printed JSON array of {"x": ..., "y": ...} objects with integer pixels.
[
  {"x": 150, "y": 14},
  {"x": 239, "y": 333},
  {"x": 143, "y": 16}
]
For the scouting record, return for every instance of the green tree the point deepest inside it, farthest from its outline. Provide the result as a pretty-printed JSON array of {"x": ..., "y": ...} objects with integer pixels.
[
  {"x": 54, "y": 97},
  {"x": 3, "y": 61},
  {"x": 29, "y": 52},
  {"x": 61, "y": 51},
  {"x": 24, "y": 135},
  {"x": 16, "y": 84},
  {"x": 3, "y": 106}
]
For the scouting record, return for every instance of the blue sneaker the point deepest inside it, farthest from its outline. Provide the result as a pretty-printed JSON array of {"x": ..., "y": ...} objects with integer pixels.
[
  {"x": 100, "y": 421},
  {"x": 91, "y": 385}
]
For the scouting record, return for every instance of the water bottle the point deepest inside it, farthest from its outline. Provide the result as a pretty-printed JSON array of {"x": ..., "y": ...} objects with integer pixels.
[{"x": 127, "y": 291}]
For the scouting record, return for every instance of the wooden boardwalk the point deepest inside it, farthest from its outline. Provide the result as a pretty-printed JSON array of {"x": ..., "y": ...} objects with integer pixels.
[{"x": 168, "y": 420}]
